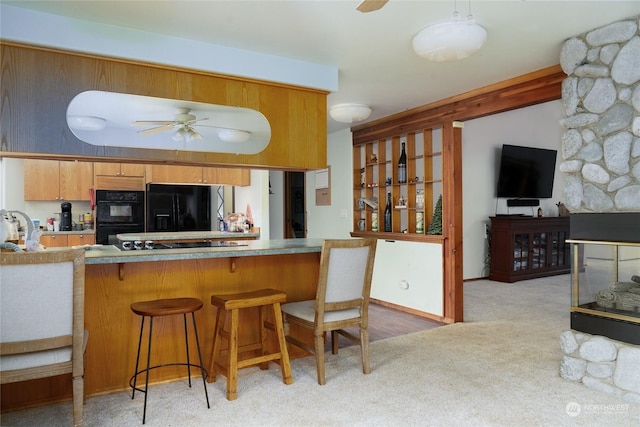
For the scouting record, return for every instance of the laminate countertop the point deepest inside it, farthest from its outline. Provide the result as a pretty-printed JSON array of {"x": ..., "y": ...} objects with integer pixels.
[{"x": 110, "y": 254}]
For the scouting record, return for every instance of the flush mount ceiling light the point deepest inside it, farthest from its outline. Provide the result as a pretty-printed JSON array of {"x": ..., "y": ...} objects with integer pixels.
[
  {"x": 90, "y": 123},
  {"x": 452, "y": 40},
  {"x": 234, "y": 135},
  {"x": 349, "y": 113}
]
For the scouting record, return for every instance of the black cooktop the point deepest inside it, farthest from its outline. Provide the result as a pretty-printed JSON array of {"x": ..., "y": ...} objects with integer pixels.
[{"x": 188, "y": 245}]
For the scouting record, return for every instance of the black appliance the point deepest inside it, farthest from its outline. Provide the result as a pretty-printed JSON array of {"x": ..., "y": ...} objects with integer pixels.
[
  {"x": 65, "y": 217},
  {"x": 178, "y": 208},
  {"x": 118, "y": 212}
]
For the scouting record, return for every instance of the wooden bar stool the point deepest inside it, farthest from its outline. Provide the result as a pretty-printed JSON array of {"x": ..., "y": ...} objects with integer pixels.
[
  {"x": 233, "y": 303},
  {"x": 166, "y": 307}
]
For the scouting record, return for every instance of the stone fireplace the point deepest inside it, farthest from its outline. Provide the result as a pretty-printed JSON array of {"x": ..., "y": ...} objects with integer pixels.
[{"x": 601, "y": 163}]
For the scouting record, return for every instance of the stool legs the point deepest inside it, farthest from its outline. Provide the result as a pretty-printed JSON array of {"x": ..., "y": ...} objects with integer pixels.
[
  {"x": 285, "y": 365},
  {"x": 233, "y": 364},
  {"x": 203, "y": 373},
  {"x": 148, "y": 367}
]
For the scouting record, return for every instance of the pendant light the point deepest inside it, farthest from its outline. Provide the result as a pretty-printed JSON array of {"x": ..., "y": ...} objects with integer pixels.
[{"x": 452, "y": 40}]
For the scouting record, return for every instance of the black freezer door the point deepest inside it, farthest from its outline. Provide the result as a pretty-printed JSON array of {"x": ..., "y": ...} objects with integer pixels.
[{"x": 175, "y": 208}]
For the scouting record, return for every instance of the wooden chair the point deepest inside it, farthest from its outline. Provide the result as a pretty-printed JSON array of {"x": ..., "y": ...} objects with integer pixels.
[
  {"x": 342, "y": 300},
  {"x": 42, "y": 318}
]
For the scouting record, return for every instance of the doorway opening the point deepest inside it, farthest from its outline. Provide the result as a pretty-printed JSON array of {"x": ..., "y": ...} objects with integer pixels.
[{"x": 295, "y": 213}]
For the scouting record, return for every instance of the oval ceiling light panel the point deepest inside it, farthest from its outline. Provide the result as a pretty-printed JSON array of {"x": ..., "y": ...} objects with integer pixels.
[{"x": 113, "y": 119}]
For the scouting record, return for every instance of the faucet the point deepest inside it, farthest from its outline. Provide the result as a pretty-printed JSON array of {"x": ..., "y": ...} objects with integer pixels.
[{"x": 29, "y": 239}]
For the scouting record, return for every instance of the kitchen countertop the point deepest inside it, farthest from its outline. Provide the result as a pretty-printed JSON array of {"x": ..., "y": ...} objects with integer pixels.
[
  {"x": 110, "y": 254},
  {"x": 186, "y": 235},
  {"x": 66, "y": 233}
]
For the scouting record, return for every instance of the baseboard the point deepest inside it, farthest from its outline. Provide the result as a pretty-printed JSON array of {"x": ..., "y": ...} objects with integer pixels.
[{"x": 408, "y": 310}]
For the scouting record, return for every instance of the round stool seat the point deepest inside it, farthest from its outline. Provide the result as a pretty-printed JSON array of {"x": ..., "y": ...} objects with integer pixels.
[{"x": 166, "y": 307}]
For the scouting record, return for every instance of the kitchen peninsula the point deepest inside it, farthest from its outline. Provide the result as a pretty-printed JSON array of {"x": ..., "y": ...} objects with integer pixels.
[{"x": 114, "y": 279}]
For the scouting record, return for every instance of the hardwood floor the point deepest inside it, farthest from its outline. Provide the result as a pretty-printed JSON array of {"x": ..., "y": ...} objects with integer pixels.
[{"x": 385, "y": 322}]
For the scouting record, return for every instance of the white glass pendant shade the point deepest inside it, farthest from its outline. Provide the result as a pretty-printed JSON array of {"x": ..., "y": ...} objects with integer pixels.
[
  {"x": 349, "y": 113},
  {"x": 233, "y": 135},
  {"x": 449, "y": 41}
]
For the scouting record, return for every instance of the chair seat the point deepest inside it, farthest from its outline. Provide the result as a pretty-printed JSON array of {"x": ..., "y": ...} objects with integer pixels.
[
  {"x": 306, "y": 310},
  {"x": 166, "y": 307},
  {"x": 248, "y": 299}
]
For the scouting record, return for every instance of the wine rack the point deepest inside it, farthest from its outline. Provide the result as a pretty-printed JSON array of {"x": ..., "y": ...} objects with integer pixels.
[{"x": 375, "y": 173}]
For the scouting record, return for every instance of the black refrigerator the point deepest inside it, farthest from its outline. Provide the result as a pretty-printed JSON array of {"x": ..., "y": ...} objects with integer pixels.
[{"x": 178, "y": 208}]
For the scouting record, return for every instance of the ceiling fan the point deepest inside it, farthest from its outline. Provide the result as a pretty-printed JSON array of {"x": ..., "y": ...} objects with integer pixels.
[
  {"x": 370, "y": 5},
  {"x": 182, "y": 123}
]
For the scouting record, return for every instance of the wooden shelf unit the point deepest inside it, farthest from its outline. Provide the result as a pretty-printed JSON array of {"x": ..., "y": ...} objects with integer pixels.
[
  {"x": 375, "y": 173},
  {"x": 528, "y": 247}
]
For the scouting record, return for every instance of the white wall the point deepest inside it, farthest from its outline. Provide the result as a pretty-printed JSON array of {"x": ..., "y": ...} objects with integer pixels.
[
  {"x": 257, "y": 196},
  {"x": 536, "y": 126},
  {"x": 276, "y": 205},
  {"x": 334, "y": 221}
]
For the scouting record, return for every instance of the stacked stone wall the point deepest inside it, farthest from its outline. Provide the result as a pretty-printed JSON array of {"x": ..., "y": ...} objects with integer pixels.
[
  {"x": 601, "y": 364},
  {"x": 601, "y": 101}
]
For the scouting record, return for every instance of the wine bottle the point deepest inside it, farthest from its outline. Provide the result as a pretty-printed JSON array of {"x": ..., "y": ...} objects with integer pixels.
[
  {"x": 402, "y": 166},
  {"x": 387, "y": 214}
]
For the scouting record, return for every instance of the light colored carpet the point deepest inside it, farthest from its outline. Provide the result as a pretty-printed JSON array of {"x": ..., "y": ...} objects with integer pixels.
[{"x": 499, "y": 368}]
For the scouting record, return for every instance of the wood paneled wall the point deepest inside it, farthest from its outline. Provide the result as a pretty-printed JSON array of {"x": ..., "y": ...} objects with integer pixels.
[{"x": 38, "y": 84}]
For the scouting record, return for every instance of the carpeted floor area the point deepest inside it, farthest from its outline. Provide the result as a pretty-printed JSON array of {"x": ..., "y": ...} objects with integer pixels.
[{"x": 498, "y": 368}]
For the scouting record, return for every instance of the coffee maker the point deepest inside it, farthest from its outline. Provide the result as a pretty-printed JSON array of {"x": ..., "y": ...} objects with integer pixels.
[{"x": 65, "y": 217}]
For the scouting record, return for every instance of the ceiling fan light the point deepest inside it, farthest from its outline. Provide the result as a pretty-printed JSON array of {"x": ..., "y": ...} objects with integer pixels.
[
  {"x": 179, "y": 135},
  {"x": 86, "y": 123},
  {"x": 234, "y": 135},
  {"x": 450, "y": 41},
  {"x": 349, "y": 113}
]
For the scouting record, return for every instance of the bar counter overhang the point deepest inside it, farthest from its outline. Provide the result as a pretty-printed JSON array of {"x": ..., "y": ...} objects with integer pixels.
[{"x": 114, "y": 279}]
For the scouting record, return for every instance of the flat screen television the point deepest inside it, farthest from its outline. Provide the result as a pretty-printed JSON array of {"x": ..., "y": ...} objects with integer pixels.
[{"x": 526, "y": 173}]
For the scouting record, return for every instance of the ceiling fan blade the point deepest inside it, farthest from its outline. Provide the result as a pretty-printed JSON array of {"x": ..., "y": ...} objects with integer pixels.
[
  {"x": 152, "y": 123},
  {"x": 193, "y": 122},
  {"x": 152, "y": 131},
  {"x": 370, "y": 5}
]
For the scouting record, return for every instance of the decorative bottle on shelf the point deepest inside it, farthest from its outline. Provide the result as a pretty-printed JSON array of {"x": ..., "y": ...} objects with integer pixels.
[
  {"x": 387, "y": 214},
  {"x": 374, "y": 221},
  {"x": 402, "y": 166}
]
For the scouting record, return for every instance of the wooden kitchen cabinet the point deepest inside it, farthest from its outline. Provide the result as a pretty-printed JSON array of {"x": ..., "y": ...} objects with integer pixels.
[
  {"x": 81, "y": 239},
  {"x": 169, "y": 174},
  {"x": 57, "y": 180},
  {"x": 119, "y": 176},
  {"x": 54, "y": 241},
  {"x": 63, "y": 240},
  {"x": 119, "y": 169},
  {"x": 227, "y": 176}
]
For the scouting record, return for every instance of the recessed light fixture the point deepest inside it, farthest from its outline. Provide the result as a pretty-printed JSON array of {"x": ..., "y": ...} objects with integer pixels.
[
  {"x": 86, "y": 122},
  {"x": 349, "y": 113}
]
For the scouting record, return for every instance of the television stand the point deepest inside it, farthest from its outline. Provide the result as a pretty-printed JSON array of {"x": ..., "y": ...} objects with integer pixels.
[
  {"x": 523, "y": 202},
  {"x": 526, "y": 247}
]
